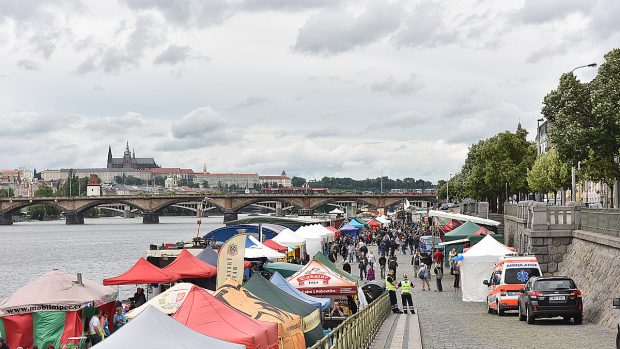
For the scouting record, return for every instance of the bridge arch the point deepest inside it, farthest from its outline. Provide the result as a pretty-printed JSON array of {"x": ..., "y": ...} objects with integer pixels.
[
  {"x": 93, "y": 204},
  {"x": 172, "y": 202},
  {"x": 23, "y": 204},
  {"x": 247, "y": 202}
]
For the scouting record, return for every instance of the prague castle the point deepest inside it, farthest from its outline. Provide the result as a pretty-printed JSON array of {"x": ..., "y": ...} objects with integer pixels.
[{"x": 130, "y": 160}]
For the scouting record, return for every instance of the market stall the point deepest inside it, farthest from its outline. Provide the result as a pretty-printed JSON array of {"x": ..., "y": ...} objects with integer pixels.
[
  {"x": 143, "y": 272},
  {"x": 286, "y": 269},
  {"x": 186, "y": 266},
  {"x": 320, "y": 303},
  {"x": 48, "y": 310},
  {"x": 203, "y": 313},
  {"x": 166, "y": 302}
]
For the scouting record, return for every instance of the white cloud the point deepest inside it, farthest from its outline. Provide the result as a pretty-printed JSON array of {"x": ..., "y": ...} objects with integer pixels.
[
  {"x": 397, "y": 87},
  {"x": 174, "y": 54}
]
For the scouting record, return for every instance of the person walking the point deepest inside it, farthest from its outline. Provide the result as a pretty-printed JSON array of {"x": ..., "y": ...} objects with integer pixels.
[
  {"x": 351, "y": 252},
  {"x": 392, "y": 263},
  {"x": 411, "y": 242},
  {"x": 451, "y": 255},
  {"x": 438, "y": 258},
  {"x": 363, "y": 263},
  {"x": 382, "y": 262},
  {"x": 425, "y": 275},
  {"x": 405, "y": 294},
  {"x": 391, "y": 286},
  {"x": 415, "y": 260},
  {"x": 371, "y": 260},
  {"x": 438, "y": 276},
  {"x": 456, "y": 271}
]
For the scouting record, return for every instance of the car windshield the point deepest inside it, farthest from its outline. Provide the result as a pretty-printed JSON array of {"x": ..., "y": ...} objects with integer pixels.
[
  {"x": 554, "y": 285},
  {"x": 520, "y": 275}
]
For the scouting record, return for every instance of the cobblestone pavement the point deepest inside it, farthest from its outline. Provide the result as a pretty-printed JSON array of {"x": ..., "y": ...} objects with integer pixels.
[{"x": 448, "y": 322}]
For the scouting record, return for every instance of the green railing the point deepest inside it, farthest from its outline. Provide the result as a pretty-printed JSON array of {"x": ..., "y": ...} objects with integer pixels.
[{"x": 358, "y": 331}]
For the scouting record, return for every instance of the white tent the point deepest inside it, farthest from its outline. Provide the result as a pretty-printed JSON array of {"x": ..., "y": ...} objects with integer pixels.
[
  {"x": 382, "y": 219},
  {"x": 477, "y": 265},
  {"x": 336, "y": 211},
  {"x": 153, "y": 329},
  {"x": 314, "y": 241},
  {"x": 325, "y": 233},
  {"x": 167, "y": 302},
  {"x": 289, "y": 237},
  {"x": 256, "y": 249},
  {"x": 463, "y": 218}
]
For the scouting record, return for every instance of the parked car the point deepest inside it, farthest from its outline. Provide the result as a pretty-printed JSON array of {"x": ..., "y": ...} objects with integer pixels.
[
  {"x": 429, "y": 243},
  {"x": 547, "y": 297},
  {"x": 617, "y": 306},
  {"x": 507, "y": 280}
]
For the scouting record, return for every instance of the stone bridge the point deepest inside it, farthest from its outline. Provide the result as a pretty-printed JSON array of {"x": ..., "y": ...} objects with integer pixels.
[{"x": 150, "y": 206}]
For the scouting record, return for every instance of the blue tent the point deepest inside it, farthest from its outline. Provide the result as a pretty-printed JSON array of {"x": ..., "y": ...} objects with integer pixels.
[
  {"x": 208, "y": 255},
  {"x": 224, "y": 233},
  {"x": 348, "y": 229},
  {"x": 355, "y": 224},
  {"x": 321, "y": 303}
]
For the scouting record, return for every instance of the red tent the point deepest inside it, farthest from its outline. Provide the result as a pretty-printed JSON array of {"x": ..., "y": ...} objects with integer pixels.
[
  {"x": 336, "y": 231},
  {"x": 203, "y": 313},
  {"x": 483, "y": 231},
  {"x": 189, "y": 267},
  {"x": 451, "y": 225},
  {"x": 275, "y": 246},
  {"x": 374, "y": 225},
  {"x": 143, "y": 272}
]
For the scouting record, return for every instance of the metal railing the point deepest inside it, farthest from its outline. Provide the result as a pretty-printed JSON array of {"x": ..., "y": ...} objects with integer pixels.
[
  {"x": 602, "y": 221},
  {"x": 358, "y": 331}
]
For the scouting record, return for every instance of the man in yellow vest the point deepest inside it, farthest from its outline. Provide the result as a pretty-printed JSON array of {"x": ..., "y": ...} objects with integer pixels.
[
  {"x": 390, "y": 286},
  {"x": 406, "y": 287}
]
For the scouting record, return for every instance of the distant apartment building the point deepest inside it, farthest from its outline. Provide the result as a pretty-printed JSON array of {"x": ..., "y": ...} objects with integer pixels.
[
  {"x": 283, "y": 180},
  {"x": 179, "y": 173},
  {"x": 223, "y": 180}
]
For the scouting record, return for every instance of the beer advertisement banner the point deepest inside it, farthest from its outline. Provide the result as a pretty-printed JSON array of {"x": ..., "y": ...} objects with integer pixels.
[{"x": 230, "y": 260}]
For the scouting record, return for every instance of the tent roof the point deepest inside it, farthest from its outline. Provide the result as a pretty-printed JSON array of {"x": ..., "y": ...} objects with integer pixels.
[
  {"x": 374, "y": 223},
  {"x": 208, "y": 255},
  {"x": 463, "y": 217},
  {"x": 286, "y": 269},
  {"x": 256, "y": 249},
  {"x": 59, "y": 288},
  {"x": 450, "y": 226},
  {"x": 466, "y": 229},
  {"x": 360, "y": 220},
  {"x": 203, "y": 313},
  {"x": 483, "y": 231},
  {"x": 321, "y": 303},
  {"x": 329, "y": 282},
  {"x": 167, "y": 302},
  {"x": 222, "y": 234},
  {"x": 348, "y": 227},
  {"x": 336, "y": 211},
  {"x": 153, "y": 329},
  {"x": 143, "y": 272},
  {"x": 189, "y": 267},
  {"x": 275, "y": 246},
  {"x": 285, "y": 221},
  {"x": 272, "y": 294},
  {"x": 333, "y": 267},
  {"x": 487, "y": 247},
  {"x": 288, "y": 236},
  {"x": 238, "y": 297},
  {"x": 330, "y": 228},
  {"x": 382, "y": 219},
  {"x": 355, "y": 224}
]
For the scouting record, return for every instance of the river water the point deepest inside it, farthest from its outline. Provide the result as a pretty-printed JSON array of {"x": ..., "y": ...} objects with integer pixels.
[{"x": 100, "y": 248}]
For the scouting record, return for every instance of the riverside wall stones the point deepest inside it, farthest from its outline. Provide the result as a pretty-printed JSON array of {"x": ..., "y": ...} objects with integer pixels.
[{"x": 594, "y": 267}]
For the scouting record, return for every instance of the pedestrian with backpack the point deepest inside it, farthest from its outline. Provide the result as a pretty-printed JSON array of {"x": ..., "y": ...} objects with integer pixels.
[
  {"x": 425, "y": 275},
  {"x": 438, "y": 276}
]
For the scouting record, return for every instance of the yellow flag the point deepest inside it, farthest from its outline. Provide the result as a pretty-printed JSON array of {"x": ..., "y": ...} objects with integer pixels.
[{"x": 230, "y": 260}]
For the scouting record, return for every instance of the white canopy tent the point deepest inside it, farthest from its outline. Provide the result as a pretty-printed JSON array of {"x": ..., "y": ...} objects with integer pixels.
[
  {"x": 154, "y": 329},
  {"x": 336, "y": 211},
  {"x": 325, "y": 233},
  {"x": 477, "y": 265},
  {"x": 289, "y": 237},
  {"x": 463, "y": 218},
  {"x": 167, "y": 302},
  {"x": 314, "y": 241},
  {"x": 256, "y": 249},
  {"x": 382, "y": 219}
]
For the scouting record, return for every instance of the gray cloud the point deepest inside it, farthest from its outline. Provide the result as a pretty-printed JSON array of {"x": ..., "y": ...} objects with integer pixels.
[
  {"x": 336, "y": 31},
  {"x": 285, "y": 5},
  {"x": 28, "y": 64},
  {"x": 537, "y": 12},
  {"x": 202, "y": 127},
  {"x": 192, "y": 13},
  {"x": 397, "y": 87},
  {"x": 425, "y": 25},
  {"x": 252, "y": 101},
  {"x": 174, "y": 54}
]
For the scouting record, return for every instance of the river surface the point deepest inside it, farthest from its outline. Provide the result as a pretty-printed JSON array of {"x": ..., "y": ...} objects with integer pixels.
[{"x": 100, "y": 248}]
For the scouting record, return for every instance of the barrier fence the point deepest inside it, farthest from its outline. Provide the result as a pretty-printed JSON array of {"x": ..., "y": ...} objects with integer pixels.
[
  {"x": 358, "y": 331},
  {"x": 603, "y": 221}
]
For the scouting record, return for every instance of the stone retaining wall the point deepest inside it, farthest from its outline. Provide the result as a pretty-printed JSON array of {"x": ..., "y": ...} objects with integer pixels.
[{"x": 593, "y": 264}]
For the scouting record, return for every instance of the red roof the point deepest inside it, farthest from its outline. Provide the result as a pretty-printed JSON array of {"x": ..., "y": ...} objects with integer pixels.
[
  {"x": 189, "y": 267},
  {"x": 451, "y": 225},
  {"x": 171, "y": 170},
  {"x": 226, "y": 174},
  {"x": 203, "y": 313},
  {"x": 275, "y": 246},
  {"x": 483, "y": 231},
  {"x": 142, "y": 272}
]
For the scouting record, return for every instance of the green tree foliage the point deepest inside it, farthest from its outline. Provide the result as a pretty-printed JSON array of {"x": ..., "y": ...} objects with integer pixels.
[
  {"x": 495, "y": 166},
  {"x": 549, "y": 173},
  {"x": 43, "y": 211},
  {"x": 4, "y": 193},
  {"x": 298, "y": 181},
  {"x": 349, "y": 184},
  {"x": 159, "y": 180}
]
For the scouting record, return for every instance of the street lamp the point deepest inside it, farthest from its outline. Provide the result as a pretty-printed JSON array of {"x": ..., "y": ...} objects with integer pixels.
[
  {"x": 573, "y": 189},
  {"x": 447, "y": 188}
]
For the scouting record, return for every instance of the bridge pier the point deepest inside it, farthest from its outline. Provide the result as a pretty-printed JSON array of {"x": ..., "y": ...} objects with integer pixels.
[
  {"x": 6, "y": 219},
  {"x": 230, "y": 216},
  {"x": 127, "y": 212},
  {"x": 279, "y": 211},
  {"x": 305, "y": 212},
  {"x": 150, "y": 218},
  {"x": 74, "y": 218}
]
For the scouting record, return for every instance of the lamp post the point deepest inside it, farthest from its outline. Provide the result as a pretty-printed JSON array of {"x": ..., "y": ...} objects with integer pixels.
[
  {"x": 573, "y": 189},
  {"x": 447, "y": 188}
]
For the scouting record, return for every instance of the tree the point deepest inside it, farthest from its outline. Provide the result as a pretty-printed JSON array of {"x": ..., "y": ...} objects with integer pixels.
[
  {"x": 159, "y": 181},
  {"x": 9, "y": 192},
  {"x": 42, "y": 211},
  {"x": 298, "y": 181}
]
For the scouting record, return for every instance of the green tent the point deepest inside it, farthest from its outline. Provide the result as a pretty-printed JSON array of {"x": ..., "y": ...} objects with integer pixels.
[
  {"x": 320, "y": 257},
  {"x": 361, "y": 221},
  {"x": 465, "y": 230},
  {"x": 272, "y": 294},
  {"x": 285, "y": 269}
]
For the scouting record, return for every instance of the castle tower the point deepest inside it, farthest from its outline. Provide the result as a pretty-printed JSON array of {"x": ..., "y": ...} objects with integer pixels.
[
  {"x": 109, "y": 156},
  {"x": 127, "y": 163}
]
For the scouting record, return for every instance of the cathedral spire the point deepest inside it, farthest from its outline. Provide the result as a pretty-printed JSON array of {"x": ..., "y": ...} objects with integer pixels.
[{"x": 134, "y": 153}]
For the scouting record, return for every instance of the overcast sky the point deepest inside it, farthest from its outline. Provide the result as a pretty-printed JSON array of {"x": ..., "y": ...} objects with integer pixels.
[{"x": 315, "y": 87}]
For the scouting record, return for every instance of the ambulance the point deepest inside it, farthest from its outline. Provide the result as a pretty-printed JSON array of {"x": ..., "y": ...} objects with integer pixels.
[{"x": 509, "y": 276}]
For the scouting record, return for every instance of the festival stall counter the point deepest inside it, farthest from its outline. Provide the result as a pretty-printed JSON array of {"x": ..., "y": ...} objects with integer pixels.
[
  {"x": 290, "y": 330},
  {"x": 154, "y": 329},
  {"x": 48, "y": 310},
  {"x": 270, "y": 293},
  {"x": 320, "y": 303},
  {"x": 203, "y": 313}
]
